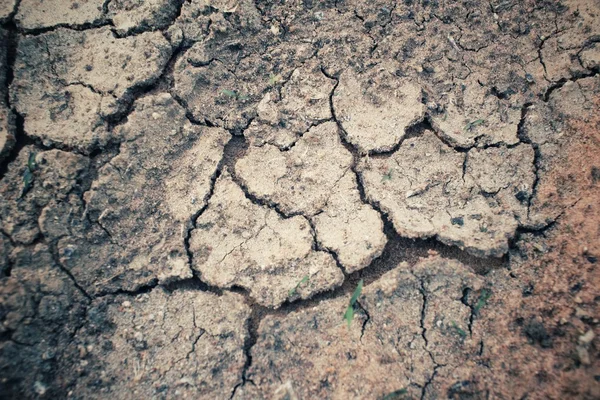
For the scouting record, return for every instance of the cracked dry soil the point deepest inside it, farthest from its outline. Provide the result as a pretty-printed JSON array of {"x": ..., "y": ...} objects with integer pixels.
[{"x": 192, "y": 190}]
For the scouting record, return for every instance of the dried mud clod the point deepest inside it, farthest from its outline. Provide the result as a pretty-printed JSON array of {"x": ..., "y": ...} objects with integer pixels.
[
  {"x": 244, "y": 244},
  {"x": 147, "y": 180},
  {"x": 299, "y": 199},
  {"x": 180, "y": 343}
]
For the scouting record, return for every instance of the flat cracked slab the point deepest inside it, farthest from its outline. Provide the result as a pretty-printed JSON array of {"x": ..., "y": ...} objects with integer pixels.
[
  {"x": 473, "y": 115},
  {"x": 68, "y": 82},
  {"x": 376, "y": 108},
  {"x": 145, "y": 181},
  {"x": 249, "y": 199},
  {"x": 286, "y": 114},
  {"x": 41, "y": 311},
  {"x": 314, "y": 179},
  {"x": 237, "y": 242},
  {"x": 184, "y": 343},
  {"x": 473, "y": 200},
  {"x": 40, "y": 179},
  {"x": 124, "y": 15}
]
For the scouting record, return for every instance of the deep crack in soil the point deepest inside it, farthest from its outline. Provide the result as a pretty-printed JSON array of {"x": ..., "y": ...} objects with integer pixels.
[{"x": 192, "y": 191}]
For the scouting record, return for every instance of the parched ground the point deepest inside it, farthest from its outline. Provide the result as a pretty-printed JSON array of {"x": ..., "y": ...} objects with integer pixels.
[{"x": 193, "y": 190}]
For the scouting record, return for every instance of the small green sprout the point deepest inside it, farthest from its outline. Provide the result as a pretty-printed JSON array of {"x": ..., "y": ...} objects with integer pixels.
[
  {"x": 234, "y": 94},
  {"x": 302, "y": 282},
  {"x": 458, "y": 330},
  {"x": 482, "y": 301},
  {"x": 349, "y": 314},
  {"x": 387, "y": 176},
  {"x": 31, "y": 162},
  {"x": 273, "y": 79},
  {"x": 28, "y": 174},
  {"x": 229, "y": 93},
  {"x": 473, "y": 124}
]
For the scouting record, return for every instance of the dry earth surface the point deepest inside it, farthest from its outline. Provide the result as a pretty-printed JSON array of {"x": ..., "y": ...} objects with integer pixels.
[{"x": 192, "y": 190}]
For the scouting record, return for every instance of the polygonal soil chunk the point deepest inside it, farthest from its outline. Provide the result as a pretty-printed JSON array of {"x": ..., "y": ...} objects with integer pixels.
[
  {"x": 213, "y": 92},
  {"x": 133, "y": 15},
  {"x": 36, "y": 14},
  {"x": 348, "y": 227},
  {"x": 40, "y": 310},
  {"x": 560, "y": 52},
  {"x": 376, "y": 107},
  {"x": 7, "y": 7},
  {"x": 424, "y": 189},
  {"x": 472, "y": 114},
  {"x": 284, "y": 115},
  {"x": 405, "y": 324},
  {"x": 314, "y": 179},
  {"x": 507, "y": 174},
  {"x": 34, "y": 180},
  {"x": 563, "y": 129},
  {"x": 590, "y": 57},
  {"x": 66, "y": 82},
  {"x": 298, "y": 181},
  {"x": 238, "y": 243},
  {"x": 186, "y": 343},
  {"x": 162, "y": 176},
  {"x": 220, "y": 22}
]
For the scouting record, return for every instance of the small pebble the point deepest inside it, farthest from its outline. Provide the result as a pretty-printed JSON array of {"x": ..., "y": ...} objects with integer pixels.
[
  {"x": 587, "y": 337},
  {"x": 583, "y": 355}
]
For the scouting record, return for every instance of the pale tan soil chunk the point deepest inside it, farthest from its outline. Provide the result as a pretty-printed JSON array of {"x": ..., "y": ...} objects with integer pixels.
[
  {"x": 36, "y": 14},
  {"x": 40, "y": 310},
  {"x": 314, "y": 179},
  {"x": 312, "y": 353},
  {"x": 37, "y": 179},
  {"x": 183, "y": 344},
  {"x": 240, "y": 243},
  {"x": 133, "y": 15},
  {"x": 68, "y": 82},
  {"x": 473, "y": 115},
  {"x": 560, "y": 51},
  {"x": 547, "y": 127},
  {"x": 590, "y": 57},
  {"x": 375, "y": 108},
  {"x": 348, "y": 227},
  {"x": 219, "y": 23},
  {"x": 145, "y": 182},
  {"x": 426, "y": 192},
  {"x": 298, "y": 181},
  {"x": 285, "y": 115},
  {"x": 146, "y": 252},
  {"x": 7, "y": 7},
  {"x": 126, "y": 16}
]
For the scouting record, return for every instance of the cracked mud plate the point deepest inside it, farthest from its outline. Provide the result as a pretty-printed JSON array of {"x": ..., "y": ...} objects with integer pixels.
[{"x": 237, "y": 199}]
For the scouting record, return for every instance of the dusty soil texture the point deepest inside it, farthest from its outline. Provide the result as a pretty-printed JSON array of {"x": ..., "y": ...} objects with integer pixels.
[{"x": 337, "y": 199}]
